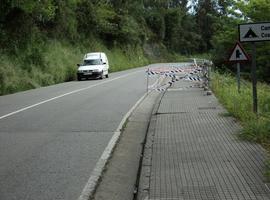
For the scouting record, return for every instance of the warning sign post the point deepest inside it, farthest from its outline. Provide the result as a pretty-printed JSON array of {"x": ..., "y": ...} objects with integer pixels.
[
  {"x": 254, "y": 78},
  {"x": 254, "y": 32},
  {"x": 237, "y": 56}
]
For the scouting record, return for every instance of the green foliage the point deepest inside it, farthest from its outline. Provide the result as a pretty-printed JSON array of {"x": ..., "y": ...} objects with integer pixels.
[
  {"x": 130, "y": 31},
  {"x": 173, "y": 20},
  {"x": 190, "y": 38},
  {"x": 240, "y": 106},
  {"x": 224, "y": 39},
  {"x": 263, "y": 62},
  {"x": 156, "y": 22},
  {"x": 225, "y": 88},
  {"x": 181, "y": 31},
  {"x": 257, "y": 131},
  {"x": 12, "y": 77},
  {"x": 126, "y": 59},
  {"x": 106, "y": 19},
  {"x": 206, "y": 17},
  {"x": 116, "y": 22},
  {"x": 226, "y": 33},
  {"x": 37, "y": 35},
  {"x": 56, "y": 62},
  {"x": 41, "y": 11},
  {"x": 255, "y": 10},
  {"x": 65, "y": 22},
  {"x": 85, "y": 13},
  {"x": 60, "y": 59}
]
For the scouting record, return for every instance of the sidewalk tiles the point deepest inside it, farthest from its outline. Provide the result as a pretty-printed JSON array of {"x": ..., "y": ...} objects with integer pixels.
[{"x": 193, "y": 153}]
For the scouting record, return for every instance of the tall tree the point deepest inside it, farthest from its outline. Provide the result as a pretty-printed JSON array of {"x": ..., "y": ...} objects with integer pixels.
[
  {"x": 178, "y": 3},
  {"x": 205, "y": 15}
]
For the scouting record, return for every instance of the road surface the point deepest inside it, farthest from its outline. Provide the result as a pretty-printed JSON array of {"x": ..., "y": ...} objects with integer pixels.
[{"x": 51, "y": 138}]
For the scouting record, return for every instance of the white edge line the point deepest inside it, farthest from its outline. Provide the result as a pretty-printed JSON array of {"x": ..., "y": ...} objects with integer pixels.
[
  {"x": 155, "y": 83},
  {"x": 96, "y": 174},
  {"x": 66, "y": 94},
  {"x": 267, "y": 187}
]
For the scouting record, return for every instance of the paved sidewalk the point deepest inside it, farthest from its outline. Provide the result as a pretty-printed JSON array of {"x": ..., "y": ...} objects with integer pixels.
[{"x": 193, "y": 153}]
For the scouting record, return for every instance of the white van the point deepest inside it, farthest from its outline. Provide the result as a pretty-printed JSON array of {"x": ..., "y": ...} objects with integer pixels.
[{"x": 95, "y": 65}]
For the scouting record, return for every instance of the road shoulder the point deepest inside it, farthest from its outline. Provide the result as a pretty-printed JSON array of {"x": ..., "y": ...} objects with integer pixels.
[{"x": 119, "y": 179}]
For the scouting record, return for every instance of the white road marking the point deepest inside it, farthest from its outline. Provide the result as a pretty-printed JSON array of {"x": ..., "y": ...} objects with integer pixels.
[
  {"x": 267, "y": 187},
  {"x": 66, "y": 94},
  {"x": 156, "y": 83},
  {"x": 96, "y": 174}
]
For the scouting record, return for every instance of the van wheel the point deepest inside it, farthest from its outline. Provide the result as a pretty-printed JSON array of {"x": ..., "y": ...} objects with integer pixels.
[
  {"x": 79, "y": 78},
  {"x": 107, "y": 75}
]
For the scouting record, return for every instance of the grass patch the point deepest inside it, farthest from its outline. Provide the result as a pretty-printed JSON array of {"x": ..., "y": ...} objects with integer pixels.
[
  {"x": 225, "y": 114},
  {"x": 55, "y": 62},
  {"x": 12, "y": 77},
  {"x": 126, "y": 59},
  {"x": 255, "y": 128}
]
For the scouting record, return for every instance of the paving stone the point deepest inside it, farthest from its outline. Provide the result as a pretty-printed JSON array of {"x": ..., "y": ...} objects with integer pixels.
[{"x": 196, "y": 154}]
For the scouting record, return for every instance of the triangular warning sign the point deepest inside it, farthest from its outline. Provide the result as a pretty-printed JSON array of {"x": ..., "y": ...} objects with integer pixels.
[
  {"x": 238, "y": 54},
  {"x": 250, "y": 34}
]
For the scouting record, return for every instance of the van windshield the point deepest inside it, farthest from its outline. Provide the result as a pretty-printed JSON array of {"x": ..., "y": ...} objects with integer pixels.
[{"x": 92, "y": 62}]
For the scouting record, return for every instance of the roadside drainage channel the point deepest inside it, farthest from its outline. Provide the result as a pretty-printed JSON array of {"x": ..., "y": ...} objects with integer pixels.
[
  {"x": 145, "y": 161},
  {"x": 144, "y": 172}
]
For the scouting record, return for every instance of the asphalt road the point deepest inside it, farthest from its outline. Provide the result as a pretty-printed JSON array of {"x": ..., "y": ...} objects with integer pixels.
[{"x": 51, "y": 138}]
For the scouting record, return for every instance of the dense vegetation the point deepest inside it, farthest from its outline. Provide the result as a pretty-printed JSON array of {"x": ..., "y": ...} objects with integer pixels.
[
  {"x": 240, "y": 105},
  {"x": 256, "y": 128},
  {"x": 41, "y": 41}
]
